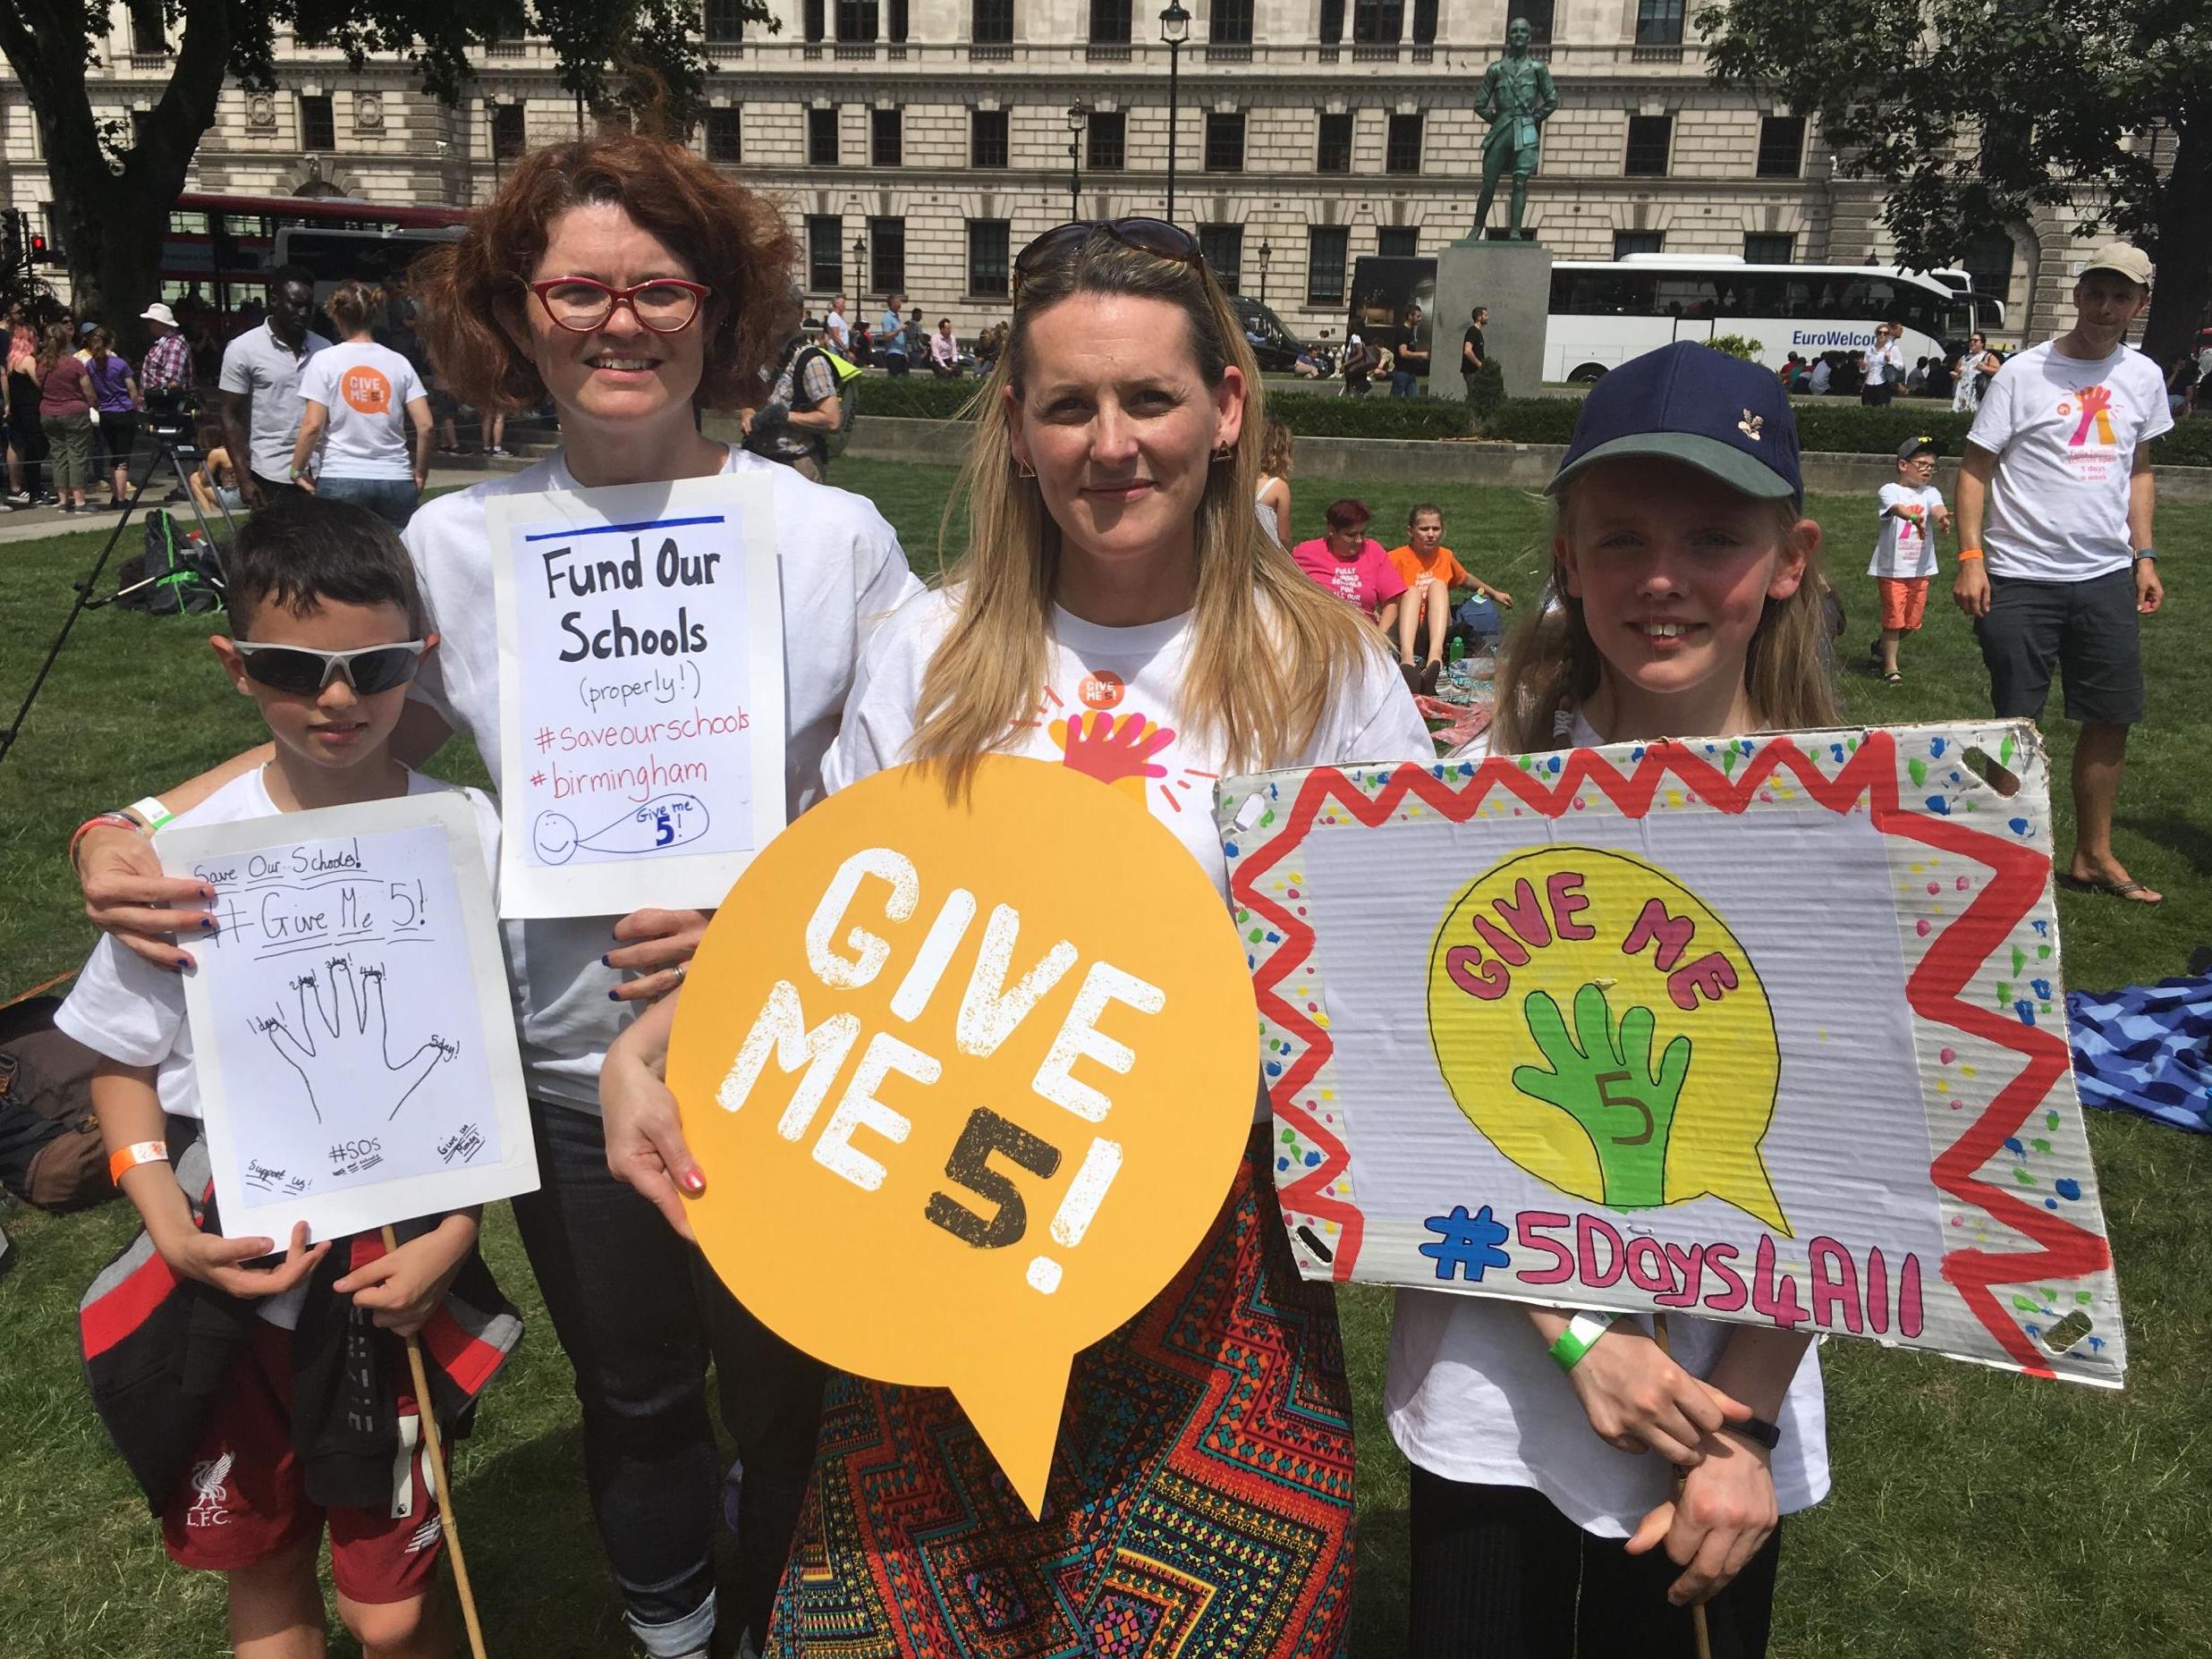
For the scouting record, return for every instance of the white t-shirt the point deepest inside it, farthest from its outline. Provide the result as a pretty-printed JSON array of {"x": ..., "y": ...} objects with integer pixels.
[
  {"x": 266, "y": 370},
  {"x": 2063, "y": 430},
  {"x": 124, "y": 1008},
  {"x": 1472, "y": 1394},
  {"x": 842, "y": 571},
  {"x": 367, "y": 388},
  {"x": 1129, "y": 671},
  {"x": 840, "y": 330},
  {"x": 1905, "y": 547},
  {"x": 1265, "y": 511}
]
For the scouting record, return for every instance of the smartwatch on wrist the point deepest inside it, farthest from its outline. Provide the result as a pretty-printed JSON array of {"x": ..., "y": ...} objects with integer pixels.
[
  {"x": 1757, "y": 1430},
  {"x": 2147, "y": 553}
]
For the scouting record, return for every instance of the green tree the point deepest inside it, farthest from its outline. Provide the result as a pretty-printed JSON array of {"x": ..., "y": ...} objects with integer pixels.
[
  {"x": 113, "y": 188},
  {"x": 1972, "y": 112}
]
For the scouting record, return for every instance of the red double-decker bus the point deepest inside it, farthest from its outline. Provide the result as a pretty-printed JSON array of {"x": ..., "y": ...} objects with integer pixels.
[{"x": 216, "y": 258}]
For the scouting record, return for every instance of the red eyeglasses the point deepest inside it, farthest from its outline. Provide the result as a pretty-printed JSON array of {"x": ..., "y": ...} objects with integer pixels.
[{"x": 667, "y": 305}]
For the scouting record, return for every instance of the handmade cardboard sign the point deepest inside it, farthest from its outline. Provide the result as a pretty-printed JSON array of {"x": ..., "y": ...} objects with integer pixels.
[
  {"x": 1768, "y": 1030},
  {"x": 969, "y": 1078},
  {"x": 640, "y": 693},
  {"x": 352, "y": 1035}
]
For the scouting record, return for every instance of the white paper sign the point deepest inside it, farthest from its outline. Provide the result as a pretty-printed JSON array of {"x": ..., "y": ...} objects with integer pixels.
[
  {"x": 641, "y": 694},
  {"x": 352, "y": 1026}
]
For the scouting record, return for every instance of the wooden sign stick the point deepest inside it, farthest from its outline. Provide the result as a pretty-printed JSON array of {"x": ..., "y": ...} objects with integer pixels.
[
  {"x": 1697, "y": 1614},
  {"x": 425, "y": 1413}
]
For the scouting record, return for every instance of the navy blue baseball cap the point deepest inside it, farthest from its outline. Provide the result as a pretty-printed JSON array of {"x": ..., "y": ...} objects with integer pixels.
[{"x": 1728, "y": 419}]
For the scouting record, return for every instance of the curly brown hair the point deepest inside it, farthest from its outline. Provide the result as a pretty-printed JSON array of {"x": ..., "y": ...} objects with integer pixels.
[{"x": 732, "y": 239}]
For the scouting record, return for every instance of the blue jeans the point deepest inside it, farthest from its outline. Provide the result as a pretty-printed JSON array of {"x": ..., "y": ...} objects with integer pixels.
[
  {"x": 1402, "y": 382},
  {"x": 392, "y": 500},
  {"x": 639, "y": 1313}
]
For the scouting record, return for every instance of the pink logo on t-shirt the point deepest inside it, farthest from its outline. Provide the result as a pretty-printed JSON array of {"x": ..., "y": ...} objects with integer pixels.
[{"x": 2095, "y": 410}]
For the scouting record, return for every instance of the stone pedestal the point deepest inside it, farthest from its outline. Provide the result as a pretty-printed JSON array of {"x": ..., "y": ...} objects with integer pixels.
[{"x": 1514, "y": 280}]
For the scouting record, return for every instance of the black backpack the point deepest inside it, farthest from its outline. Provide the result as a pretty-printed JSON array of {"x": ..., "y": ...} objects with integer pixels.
[
  {"x": 166, "y": 579},
  {"x": 51, "y": 1153}
]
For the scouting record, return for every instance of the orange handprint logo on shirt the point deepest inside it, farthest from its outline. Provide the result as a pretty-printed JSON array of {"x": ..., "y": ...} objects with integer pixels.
[
  {"x": 2095, "y": 411},
  {"x": 1116, "y": 751}
]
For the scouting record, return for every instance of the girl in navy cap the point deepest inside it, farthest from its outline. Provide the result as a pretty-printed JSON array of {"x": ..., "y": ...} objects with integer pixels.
[{"x": 1542, "y": 1524}]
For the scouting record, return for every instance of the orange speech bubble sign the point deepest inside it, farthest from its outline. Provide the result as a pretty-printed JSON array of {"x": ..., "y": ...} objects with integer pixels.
[{"x": 969, "y": 1080}]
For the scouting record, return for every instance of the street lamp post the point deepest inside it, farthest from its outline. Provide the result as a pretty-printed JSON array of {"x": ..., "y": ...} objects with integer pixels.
[
  {"x": 1174, "y": 30},
  {"x": 1265, "y": 251},
  {"x": 860, "y": 268},
  {"x": 1078, "y": 118}
]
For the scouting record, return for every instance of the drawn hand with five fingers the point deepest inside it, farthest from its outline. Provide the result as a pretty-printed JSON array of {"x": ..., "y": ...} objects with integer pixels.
[
  {"x": 1602, "y": 1077},
  {"x": 342, "y": 1046}
]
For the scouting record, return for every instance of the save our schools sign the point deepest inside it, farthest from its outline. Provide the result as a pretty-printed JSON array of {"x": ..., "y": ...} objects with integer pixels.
[{"x": 1768, "y": 1029}]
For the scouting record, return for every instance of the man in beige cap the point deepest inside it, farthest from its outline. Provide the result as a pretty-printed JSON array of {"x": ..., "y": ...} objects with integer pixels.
[{"x": 2056, "y": 560}]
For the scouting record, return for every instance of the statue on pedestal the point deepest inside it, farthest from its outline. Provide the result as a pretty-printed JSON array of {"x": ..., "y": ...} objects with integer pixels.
[{"x": 1517, "y": 96}]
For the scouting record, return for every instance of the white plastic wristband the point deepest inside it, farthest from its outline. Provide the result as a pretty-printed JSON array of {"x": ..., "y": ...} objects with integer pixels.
[{"x": 151, "y": 812}]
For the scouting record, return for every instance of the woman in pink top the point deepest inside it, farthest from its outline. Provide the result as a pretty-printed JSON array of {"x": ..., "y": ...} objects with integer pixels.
[{"x": 1353, "y": 565}]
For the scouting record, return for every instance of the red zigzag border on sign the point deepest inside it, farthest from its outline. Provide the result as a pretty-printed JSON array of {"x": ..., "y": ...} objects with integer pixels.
[{"x": 2064, "y": 1250}]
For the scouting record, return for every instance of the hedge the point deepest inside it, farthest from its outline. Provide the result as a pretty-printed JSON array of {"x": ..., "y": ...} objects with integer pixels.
[{"x": 1841, "y": 427}]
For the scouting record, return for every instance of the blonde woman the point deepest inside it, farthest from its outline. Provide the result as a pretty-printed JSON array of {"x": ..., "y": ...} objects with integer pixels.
[
  {"x": 1202, "y": 1488},
  {"x": 1273, "y": 502}
]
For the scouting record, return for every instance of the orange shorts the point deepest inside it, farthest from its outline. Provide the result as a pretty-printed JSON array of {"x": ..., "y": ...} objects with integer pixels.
[{"x": 1905, "y": 600}]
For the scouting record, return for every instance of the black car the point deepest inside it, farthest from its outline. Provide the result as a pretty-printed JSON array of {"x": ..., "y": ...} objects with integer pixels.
[{"x": 1276, "y": 348}]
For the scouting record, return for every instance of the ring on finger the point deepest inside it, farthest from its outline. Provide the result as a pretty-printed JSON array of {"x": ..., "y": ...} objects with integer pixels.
[{"x": 680, "y": 970}]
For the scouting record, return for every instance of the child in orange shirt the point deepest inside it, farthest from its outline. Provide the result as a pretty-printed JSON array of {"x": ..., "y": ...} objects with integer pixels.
[{"x": 1429, "y": 571}]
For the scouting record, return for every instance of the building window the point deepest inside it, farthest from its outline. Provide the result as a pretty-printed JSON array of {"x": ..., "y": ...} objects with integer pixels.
[
  {"x": 1224, "y": 142},
  {"x": 1328, "y": 249},
  {"x": 1332, "y": 154},
  {"x": 1109, "y": 23},
  {"x": 725, "y": 21},
  {"x": 987, "y": 240},
  {"x": 856, "y": 19},
  {"x": 1658, "y": 22},
  {"x": 1625, "y": 243},
  {"x": 992, "y": 23},
  {"x": 508, "y": 140},
  {"x": 724, "y": 143},
  {"x": 141, "y": 121},
  {"x": 1332, "y": 22},
  {"x": 1769, "y": 247},
  {"x": 894, "y": 23},
  {"x": 822, "y": 137},
  {"x": 1109, "y": 129},
  {"x": 147, "y": 37},
  {"x": 810, "y": 20},
  {"x": 887, "y": 256},
  {"x": 886, "y": 137},
  {"x": 826, "y": 253},
  {"x": 1377, "y": 22},
  {"x": 1223, "y": 249},
  {"x": 1402, "y": 151},
  {"x": 987, "y": 137},
  {"x": 1781, "y": 147},
  {"x": 1424, "y": 23},
  {"x": 1230, "y": 23},
  {"x": 319, "y": 127},
  {"x": 1650, "y": 137},
  {"x": 1398, "y": 241},
  {"x": 1535, "y": 13}
]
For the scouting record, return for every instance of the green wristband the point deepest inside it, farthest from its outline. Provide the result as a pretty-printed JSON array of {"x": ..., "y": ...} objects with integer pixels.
[{"x": 1579, "y": 1337}]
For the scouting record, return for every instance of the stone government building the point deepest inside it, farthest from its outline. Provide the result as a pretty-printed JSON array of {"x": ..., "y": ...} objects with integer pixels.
[{"x": 916, "y": 145}]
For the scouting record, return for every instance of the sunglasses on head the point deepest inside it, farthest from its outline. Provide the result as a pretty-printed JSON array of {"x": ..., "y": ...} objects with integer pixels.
[
  {"x": 1156, "y": 237},
  {"x": 296, "y": 668}
]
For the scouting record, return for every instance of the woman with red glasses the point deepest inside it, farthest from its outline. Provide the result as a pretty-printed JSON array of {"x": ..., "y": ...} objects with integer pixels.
[
  {"x": 633, "y": 285},
  {"x": 1200, "y": 1496}
]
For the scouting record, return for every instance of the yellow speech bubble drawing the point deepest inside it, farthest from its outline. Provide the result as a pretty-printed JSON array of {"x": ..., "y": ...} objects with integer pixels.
[
  {"x": 969, "y": 1080},
  {"x": 1601, "y": 1026}
]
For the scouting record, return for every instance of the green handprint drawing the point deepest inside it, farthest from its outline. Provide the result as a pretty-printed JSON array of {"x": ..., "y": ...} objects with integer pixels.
[{"x": 1602, "y": 1077}]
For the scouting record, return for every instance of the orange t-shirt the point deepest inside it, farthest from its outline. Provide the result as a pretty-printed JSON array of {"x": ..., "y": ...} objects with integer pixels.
[{"x": 1410, "y": 568}]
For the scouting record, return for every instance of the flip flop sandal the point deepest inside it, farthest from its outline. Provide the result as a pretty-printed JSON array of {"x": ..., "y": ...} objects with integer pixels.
[
  {"x": 1892, "y": 678},
  {"x": 2112, "y": 889}
]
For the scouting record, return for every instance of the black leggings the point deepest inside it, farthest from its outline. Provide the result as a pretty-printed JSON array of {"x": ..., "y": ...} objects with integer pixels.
[{"x": 1498, "y": 1573}]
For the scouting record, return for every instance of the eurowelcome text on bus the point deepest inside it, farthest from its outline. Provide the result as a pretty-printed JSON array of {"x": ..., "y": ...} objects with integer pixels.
[{"x": 1604, "y": 312}]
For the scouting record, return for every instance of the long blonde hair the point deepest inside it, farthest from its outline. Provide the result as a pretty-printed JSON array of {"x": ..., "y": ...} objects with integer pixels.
[
  {"x": 1550, "y": 664},
  {"x": 1270, "y": 650}
]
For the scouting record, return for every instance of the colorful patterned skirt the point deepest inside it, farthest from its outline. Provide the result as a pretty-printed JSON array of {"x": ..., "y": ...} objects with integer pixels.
[{"x": 1200, "y": 1499}]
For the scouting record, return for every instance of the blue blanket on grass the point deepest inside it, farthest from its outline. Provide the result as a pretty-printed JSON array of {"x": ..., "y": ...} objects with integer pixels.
[{"x": 2147, "y": 1049}]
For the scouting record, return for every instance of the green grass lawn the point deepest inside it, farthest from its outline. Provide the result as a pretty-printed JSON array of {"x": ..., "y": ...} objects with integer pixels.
[{"x": 1975, "y": 1513}]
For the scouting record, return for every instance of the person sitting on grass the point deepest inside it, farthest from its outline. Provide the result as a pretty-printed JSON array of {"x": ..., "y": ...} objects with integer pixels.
[
  {"x": 1353, "y": 565},
  {"x": 214, "y": 483},
  {"x": 1911, "y": 512},
  {"x": 1431, "y": 574},
  {"x": 327, "y": 633}
]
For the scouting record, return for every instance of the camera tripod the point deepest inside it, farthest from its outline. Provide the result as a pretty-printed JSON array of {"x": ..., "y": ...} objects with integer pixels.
[{"x": 180, "y": 449}]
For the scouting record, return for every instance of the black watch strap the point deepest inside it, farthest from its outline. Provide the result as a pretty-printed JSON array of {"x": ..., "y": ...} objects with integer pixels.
[{"x": 1755, "y": 1429}]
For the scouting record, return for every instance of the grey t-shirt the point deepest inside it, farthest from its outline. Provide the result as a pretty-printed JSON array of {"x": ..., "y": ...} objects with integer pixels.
[{"x": 262, "y": 366}]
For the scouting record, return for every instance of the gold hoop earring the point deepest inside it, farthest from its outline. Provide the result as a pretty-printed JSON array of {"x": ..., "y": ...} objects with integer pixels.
[{"x": 1022, "y": 470}]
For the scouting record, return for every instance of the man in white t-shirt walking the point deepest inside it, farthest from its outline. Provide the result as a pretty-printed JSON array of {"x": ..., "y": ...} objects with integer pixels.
[
  {"x": 838, "y": 328},
  {"x": 2055, "y": 500}
]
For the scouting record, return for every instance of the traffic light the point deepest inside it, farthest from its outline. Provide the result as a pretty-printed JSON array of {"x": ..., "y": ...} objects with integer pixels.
[
  {"x": 12, "y": 247},
  {"x": 39, "y": 254}
]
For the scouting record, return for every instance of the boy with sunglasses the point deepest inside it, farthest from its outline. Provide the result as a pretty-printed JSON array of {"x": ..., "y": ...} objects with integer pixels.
[{"x": 308, "y": 1423}]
